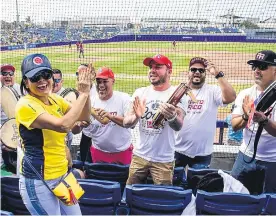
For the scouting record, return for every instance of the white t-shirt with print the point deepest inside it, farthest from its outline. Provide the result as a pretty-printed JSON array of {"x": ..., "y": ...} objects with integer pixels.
[
  {"x": 196, "y": 137},
  {"x": 156, "y": 145},
  {"x": 266, "y": 150},
  {"x": 110, "y": 137}
]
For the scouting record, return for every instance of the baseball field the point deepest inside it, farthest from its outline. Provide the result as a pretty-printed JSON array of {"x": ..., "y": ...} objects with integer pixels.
[{"x": 125, "y": 59}]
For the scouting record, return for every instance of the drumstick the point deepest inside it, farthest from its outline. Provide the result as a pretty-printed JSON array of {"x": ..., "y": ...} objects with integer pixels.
[{"x": 105, "y": 120}]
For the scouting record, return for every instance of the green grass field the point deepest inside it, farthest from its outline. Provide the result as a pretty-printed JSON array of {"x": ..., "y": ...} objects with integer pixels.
[{"x": 125, "y": 58}]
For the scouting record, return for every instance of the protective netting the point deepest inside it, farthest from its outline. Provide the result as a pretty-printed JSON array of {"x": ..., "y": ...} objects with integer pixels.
[{"x": 120, "y": 34}]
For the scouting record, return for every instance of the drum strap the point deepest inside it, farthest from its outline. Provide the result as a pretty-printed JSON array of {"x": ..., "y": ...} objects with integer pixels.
[{"x": 258, "y": 135}]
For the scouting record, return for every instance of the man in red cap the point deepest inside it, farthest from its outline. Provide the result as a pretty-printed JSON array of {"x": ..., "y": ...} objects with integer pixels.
[
  {"x": 194, "y": 143},
  {"x": 154, "y": 153},
  {"x": 8, "y": 77},
  {"x": 111, "y": 143}
]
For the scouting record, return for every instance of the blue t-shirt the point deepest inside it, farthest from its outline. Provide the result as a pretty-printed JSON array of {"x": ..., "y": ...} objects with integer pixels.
[{"x": 232, "y": 135}]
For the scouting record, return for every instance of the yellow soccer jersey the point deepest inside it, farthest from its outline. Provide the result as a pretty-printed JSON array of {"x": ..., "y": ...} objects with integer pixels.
[{"x": 44, "y": 148}]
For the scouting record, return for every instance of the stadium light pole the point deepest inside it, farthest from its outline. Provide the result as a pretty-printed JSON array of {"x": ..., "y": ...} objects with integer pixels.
[
  {"x": 17, "y": 14},
  {"x": 197, "y": 8}
]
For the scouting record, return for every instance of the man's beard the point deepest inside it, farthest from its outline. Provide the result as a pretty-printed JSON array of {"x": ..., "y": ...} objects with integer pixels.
[
  {"x": 202, "y": 80},
  {"x": 161, "y": 80}
]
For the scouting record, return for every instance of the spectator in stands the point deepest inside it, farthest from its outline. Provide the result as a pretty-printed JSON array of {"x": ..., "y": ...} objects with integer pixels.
[
  {"x": 8, "y": 77},
  {"x": 234, "y": 137},
  {"x": 43, "y": 120},
  {"x": 264, "y": 68},
  {"x": 194, "y": 142},
  {"x": 111, "y": 143},
  {"x": 154, "y": 153},
  {"x": 58, "y": 82}
]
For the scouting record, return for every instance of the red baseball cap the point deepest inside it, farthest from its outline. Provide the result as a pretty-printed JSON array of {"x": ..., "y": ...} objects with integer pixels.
[
  {"x": 7, "y": 67},
  {"x": 104, "y": 73},
  {"x": 159, "y": 59},
  {"x": 199, "y": 60}
]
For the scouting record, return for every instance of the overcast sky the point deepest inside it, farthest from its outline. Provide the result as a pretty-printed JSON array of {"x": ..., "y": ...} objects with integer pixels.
[{"x": 48, "y": 10}]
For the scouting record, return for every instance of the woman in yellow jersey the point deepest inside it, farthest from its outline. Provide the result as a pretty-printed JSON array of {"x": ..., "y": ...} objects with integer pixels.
[{"x": 43, "y": 119}]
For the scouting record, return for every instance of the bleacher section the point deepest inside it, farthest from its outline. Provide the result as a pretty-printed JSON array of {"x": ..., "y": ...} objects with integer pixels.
[{"x": 103, "y": 197}]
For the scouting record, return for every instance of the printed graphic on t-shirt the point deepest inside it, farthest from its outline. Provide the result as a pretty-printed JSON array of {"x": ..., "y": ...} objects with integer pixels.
[
  {"x": 195, "y": 107},
  {"x": 146, "y": 119}
]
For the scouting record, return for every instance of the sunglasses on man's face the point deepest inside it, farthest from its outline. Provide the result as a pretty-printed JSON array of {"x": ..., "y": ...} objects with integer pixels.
[
  {"x": 5, "y": 73},
  {"x": 260, "y": 66},
  {"x": 57, "y": 80},
  {"x": 42, "y": 74},
  {"x": 200, "y": 70}
]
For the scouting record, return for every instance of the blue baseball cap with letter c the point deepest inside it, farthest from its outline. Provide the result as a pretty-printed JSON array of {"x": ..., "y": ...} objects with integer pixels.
[{"x": 35, "y": 63}]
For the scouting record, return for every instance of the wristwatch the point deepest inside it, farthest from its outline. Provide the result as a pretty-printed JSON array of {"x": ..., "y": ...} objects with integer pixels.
[
  {"x": 265, "y": 121},
  {"x": 244, "y": 117},
  {"x": 220, "y": 74}
]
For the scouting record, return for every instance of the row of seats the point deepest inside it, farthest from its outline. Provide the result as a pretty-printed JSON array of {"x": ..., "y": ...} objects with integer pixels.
[{"x": 104, "y": 198}]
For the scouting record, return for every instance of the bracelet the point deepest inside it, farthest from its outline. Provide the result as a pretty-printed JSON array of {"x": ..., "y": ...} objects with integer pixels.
[
  {"x": 172, "y": 119},
  {"x": 244, "y": 118}
]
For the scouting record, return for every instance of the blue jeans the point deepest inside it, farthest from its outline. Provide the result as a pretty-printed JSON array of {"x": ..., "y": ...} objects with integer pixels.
[
  {"x": 258, "y": 177},
  {"x": 198, "y": 162},
  {"x": 40, "y": 201}
]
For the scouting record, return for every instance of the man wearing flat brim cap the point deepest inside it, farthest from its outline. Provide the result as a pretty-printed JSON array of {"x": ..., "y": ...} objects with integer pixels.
[
  {"x": 194, "y": 142},
  {"x": 154, "y": 153},
  {"x": 265, "y": 56},
  {"x": 245, "y": 117}
]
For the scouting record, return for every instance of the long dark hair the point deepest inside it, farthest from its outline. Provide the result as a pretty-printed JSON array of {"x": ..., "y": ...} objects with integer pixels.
[{"x": 23, "y": 87}]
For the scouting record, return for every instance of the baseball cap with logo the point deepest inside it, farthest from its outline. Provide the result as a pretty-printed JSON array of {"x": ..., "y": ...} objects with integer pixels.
[
  {"x": 104, "y": 73},
  {"x": 199, "y": 60},
  {"x": 265, "y": 56},
  {"x": 34, "y": 63},
  {"x": 159, "y": 59},
  {"x": 7, "y": 67}
]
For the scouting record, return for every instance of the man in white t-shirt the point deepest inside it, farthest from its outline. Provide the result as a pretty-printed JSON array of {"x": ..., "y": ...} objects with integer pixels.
[
  {"x": 154, "y": 153},
  {"x": 111, "y": 143},
  {"x": 245, "y": 117},
  {"x": 194, "y": 143}
]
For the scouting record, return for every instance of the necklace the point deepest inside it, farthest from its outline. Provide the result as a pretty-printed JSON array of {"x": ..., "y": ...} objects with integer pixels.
[{"x": 198, "y": 91}]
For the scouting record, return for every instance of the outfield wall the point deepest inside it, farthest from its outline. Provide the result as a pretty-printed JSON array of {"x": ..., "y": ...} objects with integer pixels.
[{"x": 141, "y": 37}]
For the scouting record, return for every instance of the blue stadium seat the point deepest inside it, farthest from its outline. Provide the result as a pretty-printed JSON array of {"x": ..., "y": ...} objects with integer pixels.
[
  {"x": 157, "y": 199},
  {"x": 223, "y": 203},
  {"x": 270, "y": 208},
  {"x": 221, "y": 124},
  {"x": 107, "y": 171},
  {"x": 11, "y": 199},
  {"x": 100, "y": 197},
  {"x": 5, "y": 213}
]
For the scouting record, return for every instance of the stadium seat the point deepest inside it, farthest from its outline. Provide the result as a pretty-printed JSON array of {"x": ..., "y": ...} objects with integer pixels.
[
  {"x": 221, "y": 125},
  {"x": 5, "y": 213},
  {"x": 223, "y": 203},
  {"x": 100, "y": 197},
  {"x": 157, "y": 199},
  {"x": 270, "y": 207},
  {"x": 179, "y": 177},
  {"x": 107, "y": 171},
  {"x": 11, "y": 199},
  {"x": 194, "y": 175}
]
